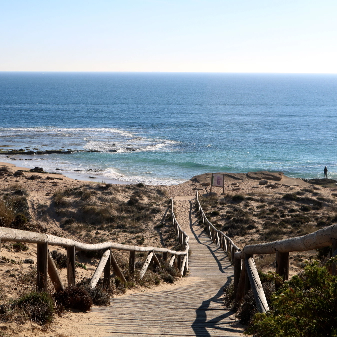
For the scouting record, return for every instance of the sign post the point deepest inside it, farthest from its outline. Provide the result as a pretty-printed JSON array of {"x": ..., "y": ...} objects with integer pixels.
[{"x": 218, "y": 180}]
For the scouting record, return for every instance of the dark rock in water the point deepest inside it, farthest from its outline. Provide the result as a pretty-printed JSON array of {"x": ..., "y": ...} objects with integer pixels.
[{"x": 37, "y": 169}]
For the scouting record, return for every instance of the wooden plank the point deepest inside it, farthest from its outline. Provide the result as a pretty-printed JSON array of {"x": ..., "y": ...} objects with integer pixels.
[
  {"x": 54, "y": 274},
  {"x": 146, "y": 265},
  {"x": 71, "y": 274},
  {"x": 117, "y": 270},
  {"x": 42, "y": 266},
  {"x": 99, "y": 269}
]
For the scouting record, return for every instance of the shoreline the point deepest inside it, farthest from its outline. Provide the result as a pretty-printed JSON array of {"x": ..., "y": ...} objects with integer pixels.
[
  {"x": 77, "y": 176},
  {"x": 93, "y": 175}
]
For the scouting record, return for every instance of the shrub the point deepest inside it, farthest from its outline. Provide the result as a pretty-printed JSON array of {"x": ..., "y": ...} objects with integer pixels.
[
  {"x": 74, "y": 297},
  {"x": 19, "y": 246},
  {"x": 304, "y": 306},
  {"x": 59, "y": 259},
  {"x": 238, "y": 198},
  {"x": 39, "y": 307}
]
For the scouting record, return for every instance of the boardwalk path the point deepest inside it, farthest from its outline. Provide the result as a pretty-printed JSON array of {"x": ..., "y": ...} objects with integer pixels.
[{"x": 193, "y": 309}]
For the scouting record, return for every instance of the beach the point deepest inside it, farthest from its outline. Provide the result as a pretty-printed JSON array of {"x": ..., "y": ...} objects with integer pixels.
[{"x": 53, "y": 199}]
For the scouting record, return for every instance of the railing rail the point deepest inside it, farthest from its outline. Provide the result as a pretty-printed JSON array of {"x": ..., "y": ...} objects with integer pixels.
[
  {"x": 247, "y": 270},
  {"x": 46, "y": 265}
]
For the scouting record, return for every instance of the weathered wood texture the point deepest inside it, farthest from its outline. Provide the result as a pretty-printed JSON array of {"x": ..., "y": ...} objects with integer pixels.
[
  {"x": 259, "y": 296},
  {"x": 194, "y": 308},
  {"x": 100, "y": 268},
  {"x": 71, "y": 270},
  {"x": 42, "y": 266},
  {"x": 54, "y": 274}
]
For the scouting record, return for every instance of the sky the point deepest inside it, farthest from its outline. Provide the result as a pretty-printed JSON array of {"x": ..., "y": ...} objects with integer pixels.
[{"x": 236, "y": 36}]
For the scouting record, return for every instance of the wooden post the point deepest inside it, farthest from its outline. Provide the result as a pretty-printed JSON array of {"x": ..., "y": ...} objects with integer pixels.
[
  {"x": 237, "y": 272},
  {"x": 42, "y": 266},
  {"x": 107, "y": 273},
  {"x": 241, "y": 285},
  {"x": 282, "y": 265},
  {"x": 211, "y": 184},
  {"x": 71, "y": 266},
  {"x": 224, "y": 244},
  {"x": 132, "y": 261},
  {"x": 228, "y": 246},
  {"x": 117, "y": 270},
  {"x": 333, "y": 269},
  {"x": 146, "y": 265},
  {"x": 232, "y": 254},
  {"x": 165, "y": 256},
  {"x": 247, "y": 282},
  {"x": 172, "y": 260},
  {"x": 178, "y": 262},
  {"x": 257, "y": 289},
  {"x": 54, "y": 275}
]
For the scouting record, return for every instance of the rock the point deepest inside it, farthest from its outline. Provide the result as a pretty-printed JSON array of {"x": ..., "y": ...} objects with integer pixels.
[
  {"x": 18, "y": 173},
  {"x": 263, "y": 182},
  {"x": 28, "y": 261},
  {"x": 37, "y": 169},
  {"x": 265, "y": 175}
]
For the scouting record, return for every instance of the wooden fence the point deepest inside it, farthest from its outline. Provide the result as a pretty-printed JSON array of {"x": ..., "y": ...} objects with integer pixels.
[
  {"x": 245, "y": 272},
  {"x": 46, "y": 265}
]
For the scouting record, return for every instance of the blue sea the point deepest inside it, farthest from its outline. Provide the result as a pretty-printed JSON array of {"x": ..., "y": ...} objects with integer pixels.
[{"x": 164, "y": 128}]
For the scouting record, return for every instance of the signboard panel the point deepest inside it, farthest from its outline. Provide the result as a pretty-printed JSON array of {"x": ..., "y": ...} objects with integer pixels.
[{"x": 218, "y": 180}]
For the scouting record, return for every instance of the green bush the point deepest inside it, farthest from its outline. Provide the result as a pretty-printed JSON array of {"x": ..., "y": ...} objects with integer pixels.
[
  {"x": 303, "y": 307},
  {"x": 39, "y": 307}
]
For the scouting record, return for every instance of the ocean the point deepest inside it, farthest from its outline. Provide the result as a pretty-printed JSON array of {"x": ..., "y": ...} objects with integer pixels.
[{"x": 164, "y": 128}]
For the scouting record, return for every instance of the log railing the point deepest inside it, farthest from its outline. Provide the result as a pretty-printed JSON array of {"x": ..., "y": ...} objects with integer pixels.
[
  {"x": 245, "y": 272},
  {"x": 220, "y": 238},
  {"x": 46, "y": 265}
]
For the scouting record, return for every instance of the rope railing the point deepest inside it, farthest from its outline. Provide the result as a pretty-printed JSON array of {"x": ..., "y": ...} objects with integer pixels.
[
  {"x": 246, "y": 273},
  {"x": 46, "y": 265}
]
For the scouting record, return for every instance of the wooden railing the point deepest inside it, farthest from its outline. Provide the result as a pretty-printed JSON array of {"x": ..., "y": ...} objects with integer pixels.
[
  {"x": 246, "y": 274},
  {"x": 220, "y": 238},
  {"x": 46, "y": 265}
]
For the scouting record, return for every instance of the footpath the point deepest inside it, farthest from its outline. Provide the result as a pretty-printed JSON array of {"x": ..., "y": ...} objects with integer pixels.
[{"x": 194, "y": 308}]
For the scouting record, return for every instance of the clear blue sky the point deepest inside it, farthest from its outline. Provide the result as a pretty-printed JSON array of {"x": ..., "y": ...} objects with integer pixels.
[{"x": 295, "y": 36}]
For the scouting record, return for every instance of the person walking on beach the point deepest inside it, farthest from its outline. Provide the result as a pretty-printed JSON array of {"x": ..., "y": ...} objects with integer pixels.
[{"x": 325, "y": 172}]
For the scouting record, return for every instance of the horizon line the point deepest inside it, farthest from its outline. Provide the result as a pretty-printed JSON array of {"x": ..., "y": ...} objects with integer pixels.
[{"x": 164, "y": 72}]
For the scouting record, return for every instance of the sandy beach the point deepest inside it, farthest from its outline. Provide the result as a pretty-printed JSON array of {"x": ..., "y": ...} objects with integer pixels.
[{"x": 52, "y": 201}]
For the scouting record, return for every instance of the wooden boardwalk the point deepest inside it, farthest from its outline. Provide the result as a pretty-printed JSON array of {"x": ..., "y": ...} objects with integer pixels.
[{"x": 193, "y": 309}]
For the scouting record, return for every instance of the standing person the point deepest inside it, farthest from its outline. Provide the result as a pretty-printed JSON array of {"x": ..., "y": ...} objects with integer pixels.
[{"x": 325, "y": 172}]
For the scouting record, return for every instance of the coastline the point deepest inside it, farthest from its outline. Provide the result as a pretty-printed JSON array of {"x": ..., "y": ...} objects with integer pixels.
[{"x": 263, "y": 192}]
